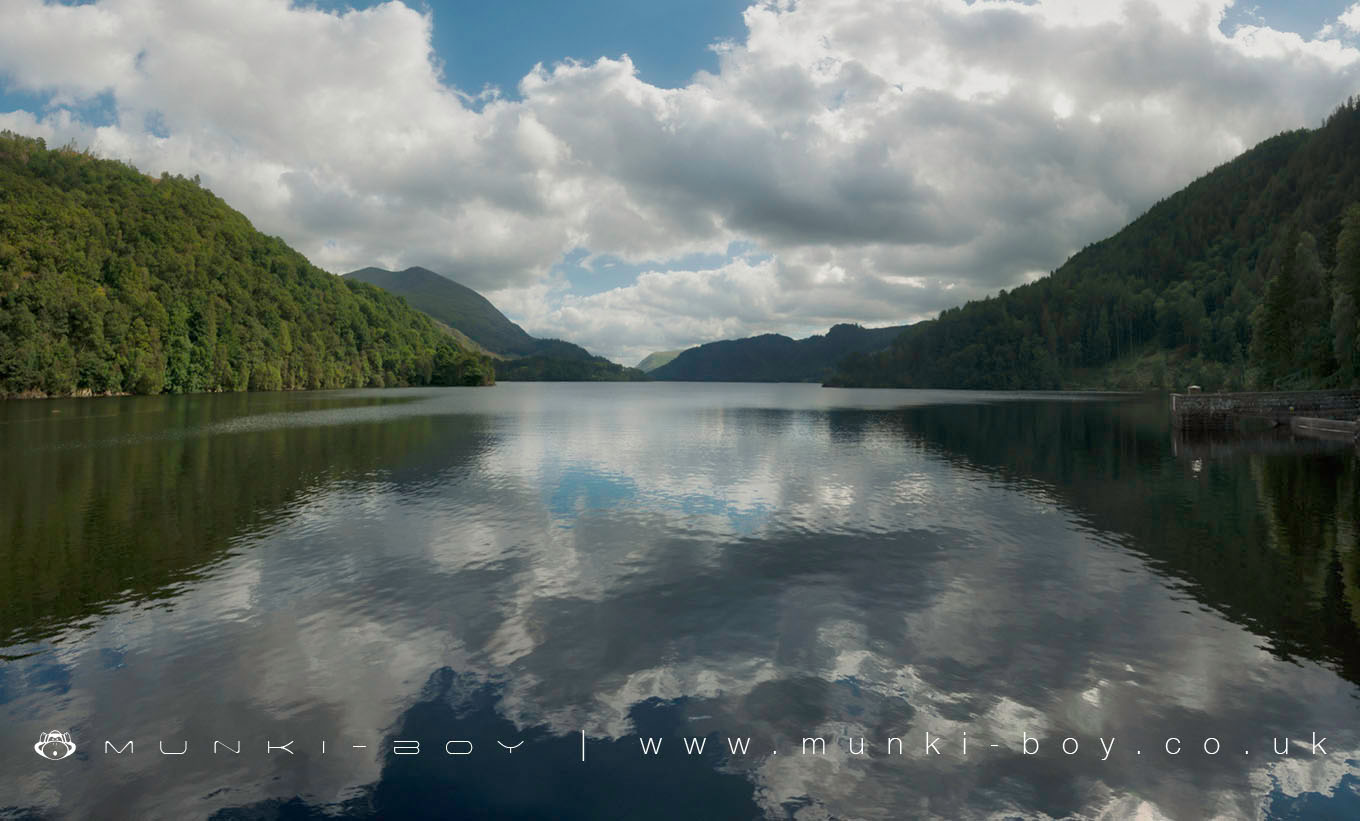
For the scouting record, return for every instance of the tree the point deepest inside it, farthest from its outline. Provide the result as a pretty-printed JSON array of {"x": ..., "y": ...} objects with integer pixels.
[
  {"x": 1239, "y": 263},
  {"x": 113, "y": 282},
  {"x": 1346, "y": 286}
]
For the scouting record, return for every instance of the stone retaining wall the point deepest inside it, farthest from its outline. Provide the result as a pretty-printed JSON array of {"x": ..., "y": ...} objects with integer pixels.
[{"x": 1219, "y": 411}]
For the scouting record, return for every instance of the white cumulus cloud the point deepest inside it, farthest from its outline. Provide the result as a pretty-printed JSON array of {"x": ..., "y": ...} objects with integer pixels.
[
  {"x": 884, "y": 159},
  {"x": 1348, "y": 22}
]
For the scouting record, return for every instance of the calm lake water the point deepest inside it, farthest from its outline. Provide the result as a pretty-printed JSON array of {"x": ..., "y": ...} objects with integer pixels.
[{"x": 585, "y": 570}]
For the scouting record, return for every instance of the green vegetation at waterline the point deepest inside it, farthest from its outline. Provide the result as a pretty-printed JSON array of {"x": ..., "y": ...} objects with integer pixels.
[
  {"x": 1247, "y": 278},
  {"x": 520, "y": 357},
  {"x": 556, "y": 369},
  {"x": 774, "y": 357},
  {"x": 114, "y": 282}
]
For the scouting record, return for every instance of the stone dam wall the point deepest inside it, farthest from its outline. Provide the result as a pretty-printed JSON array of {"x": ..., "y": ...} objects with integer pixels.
[{"x": 1221, "y": 411}]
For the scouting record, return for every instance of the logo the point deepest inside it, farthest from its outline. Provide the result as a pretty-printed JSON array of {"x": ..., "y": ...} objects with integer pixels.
[{"x": 54, "y": 745}]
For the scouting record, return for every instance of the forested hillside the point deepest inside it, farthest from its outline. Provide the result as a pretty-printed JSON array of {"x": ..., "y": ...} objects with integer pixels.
[
  {"x": 524, "y": 358},
  {"x": 560, "y": 369},
  {"x": 1247, "y": 278},
  {"x": 774, "y": 357},
  {"x": 115, "y": 282},
  {"x": 454, "y": 304}
]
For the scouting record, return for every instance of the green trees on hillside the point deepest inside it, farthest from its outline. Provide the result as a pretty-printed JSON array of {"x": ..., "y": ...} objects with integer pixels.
[
  {"x": 1292, "y": 343},
  {"x": 527, "y": 358},
  {"x": 557, "y": 369},
  {"x": 115, "y": 282},
  {"x": 1248, "y": 277},
  {"x": 774, "y": 357},
  {"x": 1345, "y": 325}
]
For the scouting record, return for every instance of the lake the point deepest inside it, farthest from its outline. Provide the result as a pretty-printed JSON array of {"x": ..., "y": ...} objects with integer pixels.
[{"x": 665, "y": 600}]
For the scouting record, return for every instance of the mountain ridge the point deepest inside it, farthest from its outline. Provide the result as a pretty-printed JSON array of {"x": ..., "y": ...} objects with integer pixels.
[
  {"x": 521, "y": 356},
  {"x": 774, "y": 357},
  {"x": 453, "y": 304}
]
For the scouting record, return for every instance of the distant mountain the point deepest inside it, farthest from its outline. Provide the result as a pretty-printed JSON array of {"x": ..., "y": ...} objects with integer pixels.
[
  {"x": 457, "y": 306},
  {"x": 656, "y": 359},
  {"x": 521, "y": 357},
  {"x": 115, "y": 282},
  {"x": 774, "y": 357},
  {"x": 553, "y": 369}
]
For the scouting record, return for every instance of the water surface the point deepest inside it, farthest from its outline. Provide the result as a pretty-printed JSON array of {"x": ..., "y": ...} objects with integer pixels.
[{"x": 584, "y": 567}]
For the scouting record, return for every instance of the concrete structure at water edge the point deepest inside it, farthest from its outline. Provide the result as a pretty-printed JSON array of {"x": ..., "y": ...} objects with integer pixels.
[{"x": 1332, "y": 413}]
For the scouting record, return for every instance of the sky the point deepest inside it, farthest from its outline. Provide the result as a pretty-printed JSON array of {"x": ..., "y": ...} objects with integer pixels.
[{"x": 649, "y": 176}]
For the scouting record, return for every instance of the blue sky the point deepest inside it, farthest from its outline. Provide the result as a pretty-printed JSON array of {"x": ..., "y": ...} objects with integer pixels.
[
  {"x": 869, "y": 161},
  {"x": 496, "y": 43},
  {"x": 1299, "y": 16}
]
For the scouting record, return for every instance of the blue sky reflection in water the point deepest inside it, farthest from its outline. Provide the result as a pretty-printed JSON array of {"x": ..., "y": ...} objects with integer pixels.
[{"x": 667, "y": 561}]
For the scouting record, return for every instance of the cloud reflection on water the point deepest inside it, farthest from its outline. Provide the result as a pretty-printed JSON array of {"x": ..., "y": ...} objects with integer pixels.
[{"x": 554, "y": 559}]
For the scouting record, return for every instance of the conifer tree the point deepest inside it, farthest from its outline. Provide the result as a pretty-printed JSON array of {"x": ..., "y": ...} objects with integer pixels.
[
  {"x": 1274, "y": 338},
  {"x": 1346, "y": 287}
]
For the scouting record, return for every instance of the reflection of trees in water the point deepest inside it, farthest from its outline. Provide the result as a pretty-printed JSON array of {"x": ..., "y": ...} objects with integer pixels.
[
  {"x": 1265, "y": 535},
  {"x": 544, "y": 778},
  {"x": 1309, "y": 505},
  {"x": 120, "y": 498}
]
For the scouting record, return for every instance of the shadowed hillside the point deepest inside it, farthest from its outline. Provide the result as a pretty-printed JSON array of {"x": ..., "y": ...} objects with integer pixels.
[
  {"x": 773, "y": 357},
  {"x": 1248, "y": 277}
]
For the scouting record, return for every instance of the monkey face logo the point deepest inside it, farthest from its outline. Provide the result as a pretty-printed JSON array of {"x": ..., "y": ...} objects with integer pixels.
[{"x": 54, "y": 745}]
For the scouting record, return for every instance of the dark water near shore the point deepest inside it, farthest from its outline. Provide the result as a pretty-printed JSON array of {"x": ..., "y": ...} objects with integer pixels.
[{"x": 584, "y": 567}]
